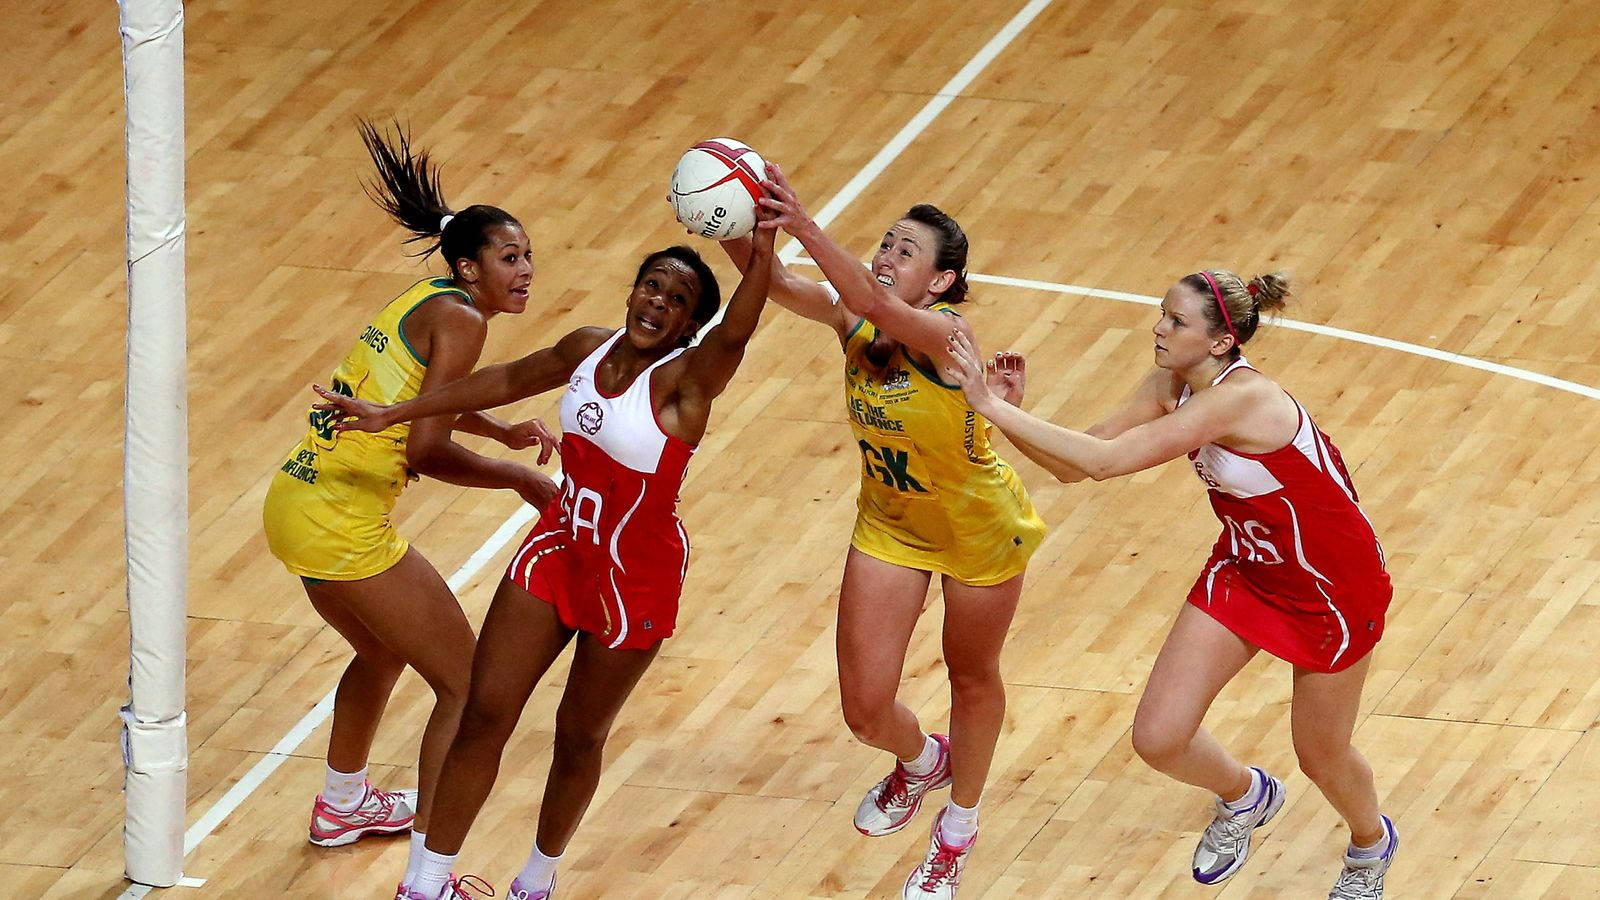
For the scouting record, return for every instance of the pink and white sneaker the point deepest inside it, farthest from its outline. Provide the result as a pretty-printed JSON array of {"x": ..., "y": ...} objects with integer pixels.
[
  {"x": 519, "y": 891},
  {"x": 940, "y": 873},
  {"x": 890, "y": 805},
  {"x": 380, "y": 812},
  {"x": 454, "y": 889}
]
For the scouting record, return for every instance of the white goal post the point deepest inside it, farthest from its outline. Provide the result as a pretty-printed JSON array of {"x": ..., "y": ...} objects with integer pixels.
[{"x": 155, "y": 453}]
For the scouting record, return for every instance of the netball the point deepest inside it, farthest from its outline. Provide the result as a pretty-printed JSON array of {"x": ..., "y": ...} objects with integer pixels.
[{"x": 715, "y": 187}]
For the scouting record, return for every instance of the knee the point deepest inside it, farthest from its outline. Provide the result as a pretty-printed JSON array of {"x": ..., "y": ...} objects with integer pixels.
[
  {"x": 1158, "y": 743},
  {"x": 380, "y": 665},
  {"x": 867, "y": 717},
  {"x": 976, "y": 684},
  {"x": 486, "y": 716},
  {"x": 452, "y": 687},
  {"x": 1320, "y": 762},
  {"x": 578, "y": 743}
]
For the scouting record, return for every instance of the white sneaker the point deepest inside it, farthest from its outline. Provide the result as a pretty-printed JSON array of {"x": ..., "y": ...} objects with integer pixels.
[
  {"x": 1225, "y": 845},
  {"x": 380, "y": 812},
  {"x": 891, "y": 803},
  {"x": 1362, "y": 879},
  {"x": 940, "y": 873},
  {"x": 520, "y": 891},
  {"x": 454, "y": 889}
]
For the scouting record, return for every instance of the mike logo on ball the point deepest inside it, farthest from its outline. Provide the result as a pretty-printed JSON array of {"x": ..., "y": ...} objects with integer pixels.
[{"x": 715, "y": 187}]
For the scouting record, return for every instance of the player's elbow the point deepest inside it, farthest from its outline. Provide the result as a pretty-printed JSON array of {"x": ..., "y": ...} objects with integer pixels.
[{"x": 1104, "y": 466}]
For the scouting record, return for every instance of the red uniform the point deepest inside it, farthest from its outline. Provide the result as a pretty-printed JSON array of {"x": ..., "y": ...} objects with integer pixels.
[
  {"x": 609, "y": 553},
  {"x": 1297, "y": 570}
]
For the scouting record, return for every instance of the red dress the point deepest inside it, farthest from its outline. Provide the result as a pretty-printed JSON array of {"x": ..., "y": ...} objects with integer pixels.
[
  {"x": 609, "y": 553},
  {"x": 1297, "y": 570}
]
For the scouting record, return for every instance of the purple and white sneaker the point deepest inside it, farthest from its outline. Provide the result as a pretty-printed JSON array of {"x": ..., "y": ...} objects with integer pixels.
[{"x": 1225, "y": 845}]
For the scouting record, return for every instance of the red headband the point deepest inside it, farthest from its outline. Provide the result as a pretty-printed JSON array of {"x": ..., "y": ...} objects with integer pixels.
[{"x": 1216, "y": 292}]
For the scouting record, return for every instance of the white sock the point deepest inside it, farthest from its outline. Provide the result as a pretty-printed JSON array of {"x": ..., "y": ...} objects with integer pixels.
[
  {"x": 1251, "y": 797},
  {"x": 539, "y": 873},
  {"x": 433, "y": 870},
  {"x": 344, "y": 791},
  {"x": 959, "y": 824},
  {"x": 414, "y": 860},
  {"x": 926, "y": 760},
  {"x": 1373, "y": 852}
]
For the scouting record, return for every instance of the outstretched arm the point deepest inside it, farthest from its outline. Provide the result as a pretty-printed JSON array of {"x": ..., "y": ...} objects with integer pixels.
[
  {"x": 455, "y": 338},
  {"x": 1069, "y": 454},
  {"x": 1144, "y": 406},
  {"x": 709, "y": 366},
  {"x": 922, "y": 330},
  {"x": 793, "y": 291},
  {"x": 487, "y": 388}
]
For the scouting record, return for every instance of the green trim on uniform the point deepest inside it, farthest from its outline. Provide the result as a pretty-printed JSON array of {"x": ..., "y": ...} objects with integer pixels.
[
  {"x": 446, "y": 286},
  {"x": 855, "y": 328},
  {"x": 933, "y": 376}
]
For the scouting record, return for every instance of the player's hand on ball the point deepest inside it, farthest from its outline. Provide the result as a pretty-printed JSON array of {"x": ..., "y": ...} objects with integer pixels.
[
  {"x": 781, "y": 199},
  {"x": 523, "y": 435},
  {"x": 351, "y": 413},
  {"x": 1007, "y": 376},
  {"x": 764, "y": 235}
]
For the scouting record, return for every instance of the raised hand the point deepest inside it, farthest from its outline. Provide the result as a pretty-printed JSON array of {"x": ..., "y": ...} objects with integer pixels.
[
  {"x": 965, "y": 367},
  {"x": 788, "y": 212},
  {"x": 1007, "y": 376},
  {"x": 523, "y": 435},
  {"x": 352, "y": 413}
]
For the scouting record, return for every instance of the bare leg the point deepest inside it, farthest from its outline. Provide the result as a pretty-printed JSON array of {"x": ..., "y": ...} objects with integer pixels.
[
  {"x": 976, "y": 621},
  {"x": 1323, "y": 718},
  {"x": 1198, "y": 658},
  {"x": 411, "y": 613},
  {"x": 601, "y": 682},
  {"x": 521, "y": 637},
  {"x": 879, "y": 604},
  {"x": 364, "y": 688}
]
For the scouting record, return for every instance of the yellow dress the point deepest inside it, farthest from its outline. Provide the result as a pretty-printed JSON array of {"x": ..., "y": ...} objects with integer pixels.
[
  {"x": 934, "y": 496},
  {"x": 327, "y": 509}
]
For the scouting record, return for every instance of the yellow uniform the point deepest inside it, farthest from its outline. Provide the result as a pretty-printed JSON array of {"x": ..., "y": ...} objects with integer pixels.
[
  {"x": 327, "y": 510},
  {"x": 934, "y": 496}
]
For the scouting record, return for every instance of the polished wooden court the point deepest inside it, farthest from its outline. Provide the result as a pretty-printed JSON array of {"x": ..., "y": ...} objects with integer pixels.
[{"x": 1428, "y": 170}]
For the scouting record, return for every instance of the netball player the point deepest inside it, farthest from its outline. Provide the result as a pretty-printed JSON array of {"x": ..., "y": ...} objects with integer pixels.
[
  {"x": 327, "y": 510},
  {"x": 934, "y": 500},
  {"x": 604, "y": 566},
  {"x": 1297, "y": 570}
]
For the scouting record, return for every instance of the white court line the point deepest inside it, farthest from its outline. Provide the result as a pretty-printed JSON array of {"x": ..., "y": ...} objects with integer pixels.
[
  {"x": 1470, "y": 362},
  {"x": 264, "y": 767},
  {"x": 235, "y": 797}
]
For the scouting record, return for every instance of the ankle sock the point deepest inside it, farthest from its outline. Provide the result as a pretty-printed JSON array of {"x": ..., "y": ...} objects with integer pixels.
[
  {"x": 926, "y": 760},
  {"x": 344, "y": 791},
  {"x": 539, "y": 871}
]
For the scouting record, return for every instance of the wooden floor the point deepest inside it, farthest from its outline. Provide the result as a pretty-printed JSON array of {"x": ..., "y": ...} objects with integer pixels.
[{"x": 1428, "y": 169}]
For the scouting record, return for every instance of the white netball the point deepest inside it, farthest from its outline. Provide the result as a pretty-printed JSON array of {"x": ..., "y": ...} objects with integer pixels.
[{"x": 715, "y": 187}]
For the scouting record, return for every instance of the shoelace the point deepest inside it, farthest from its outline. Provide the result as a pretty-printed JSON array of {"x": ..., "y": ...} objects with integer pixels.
[
  {"x": 458, "y": 888},
  {"x": 386, "y": 801},
  {"x": 941, "y": 867},
  {"x": 897, "y": 791},
  {"x": 1364, "y": 883},
  {"x": 1225, "y": 833}
]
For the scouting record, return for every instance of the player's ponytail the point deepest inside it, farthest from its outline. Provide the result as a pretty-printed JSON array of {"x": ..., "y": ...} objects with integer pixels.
[
  {"x": 407, "y": 188},
  {"x": 1236, "y": 305}
]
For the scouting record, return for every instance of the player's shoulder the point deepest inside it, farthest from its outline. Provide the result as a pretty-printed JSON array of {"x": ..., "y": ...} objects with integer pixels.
[{"x": 583, "y": 340}]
